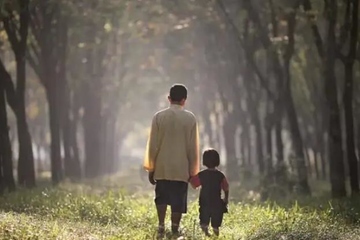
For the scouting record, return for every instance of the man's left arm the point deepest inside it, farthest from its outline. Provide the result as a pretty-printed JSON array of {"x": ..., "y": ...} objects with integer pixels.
[{"x": 193, "y": 151}]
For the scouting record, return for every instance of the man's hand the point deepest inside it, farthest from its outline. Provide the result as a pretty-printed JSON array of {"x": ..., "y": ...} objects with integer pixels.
[
  {"x": 226, "y": 201},
  {"x": 151, "y": 178}
]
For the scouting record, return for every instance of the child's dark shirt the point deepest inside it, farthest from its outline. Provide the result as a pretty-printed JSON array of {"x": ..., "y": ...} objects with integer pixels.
[{"x": 212, "y": 181}]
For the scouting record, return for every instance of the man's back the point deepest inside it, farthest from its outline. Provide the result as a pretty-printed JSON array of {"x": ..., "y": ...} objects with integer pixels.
[{"x": 176, "y": 133}]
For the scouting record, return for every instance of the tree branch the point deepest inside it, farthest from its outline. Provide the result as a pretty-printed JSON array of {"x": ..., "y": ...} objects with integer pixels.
[
  {"x": 11, "y": 32},
  {"x": 318, "y": 41},
  {"x": 354, "y": 33},
  {"x": 249, "y": 56},
  {"x": 33, "y": 59},
  {"x": 344, "y": 30}
]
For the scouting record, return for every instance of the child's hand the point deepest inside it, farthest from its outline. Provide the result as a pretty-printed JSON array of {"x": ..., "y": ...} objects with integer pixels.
[{"x": 195, "y": 182}]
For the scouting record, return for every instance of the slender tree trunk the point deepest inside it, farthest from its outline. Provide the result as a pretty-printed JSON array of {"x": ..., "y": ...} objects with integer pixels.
[
  {"x": 316, "y": 163},
  {"x": 74, "y": 143},
  {"x": 2, "y": 187},
  {"x": 349, "y": 125},
  {"x": 337, "y": 175},
  {"x": 55, "y": 146},
  {"x": 68, "y": 129},
  {"x": 323, "y": 158},
  {"x": 217, "y": 132},
  {"x": 298, "y": 146},
  {"x": 259, "y": 143},
  {"x": 269, "y": 142},
  {"x": 308, "y": 161},
  {"x": 348, "y": 101},
  {"x": 92, "y": 123},
  {"x": 108, "y": 155},
  {"x": 6, "y": 166},
  {"x": 290, "y": 109},
  {"x": 65, "y": 132},
  {"x": 207, "y": 125},
  {"x": 280, "y": 170},
  {"x": 229, "y": 135},
  {"x": 279, "y": 143},
  {"x": 26, "y": 168},
  {"x": 104, "y": 147},
  {"x": 243, "y": 142},
  {"x": 249, "y": 147}
]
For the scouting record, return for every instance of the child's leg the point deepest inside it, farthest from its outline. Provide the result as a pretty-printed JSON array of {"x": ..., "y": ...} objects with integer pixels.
[
  {"x": 216, "y": 221},
  {"x": 204, "y": 220}
]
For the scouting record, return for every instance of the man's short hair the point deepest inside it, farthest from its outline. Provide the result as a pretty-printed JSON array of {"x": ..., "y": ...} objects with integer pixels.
[
  {"x": 178, "y": 92},
  {"x": 211, "y": 158}
]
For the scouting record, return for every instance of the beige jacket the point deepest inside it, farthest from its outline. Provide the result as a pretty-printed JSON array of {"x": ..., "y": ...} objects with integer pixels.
[{"x": 172, "y": 150}]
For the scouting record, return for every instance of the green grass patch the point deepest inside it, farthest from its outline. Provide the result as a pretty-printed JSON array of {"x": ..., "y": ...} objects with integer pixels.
[{"x": 108, "y": 210}]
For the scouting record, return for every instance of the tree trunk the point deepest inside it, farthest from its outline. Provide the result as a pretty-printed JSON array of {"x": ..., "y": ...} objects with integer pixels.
[
  {"x": 109, "y": 146},
  {"x": 92, "y": 131},
  {"x": 298, "y": 145},
  {"x": 6, "y": 166},
  {"x": 207, "y": 125},
  {"x": 26, "y": 168},
  {"x": 279, "y": 143},
  {"x": 308, "y": 161},
  {"x": 323, "y": 159},
  {"x": 243, "y": 148},
  {"x": 73, "y": 141},
  {"x": 297, "y": 140},
  {"x": 18, "y": 40},
  {"x": 68, "y": 129},
  {"x": 348, "y": 101},
  {"x": 349, "y": 126},
  {"x": 229, "y": 138},
  {"x": 54, "y": 118},
  {"x": 316, "y": 163},
  {"x": 337, "y": 176},
  {"x": 269, "y": 142},
  {"x": 259, "y": 143},
  {"x": 249, "y": 147}
]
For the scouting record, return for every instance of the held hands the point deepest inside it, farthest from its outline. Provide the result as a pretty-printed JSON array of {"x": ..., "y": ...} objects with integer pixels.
[
  {"x": 226, "y": 201},
  {"x": 151, "y": 178}
]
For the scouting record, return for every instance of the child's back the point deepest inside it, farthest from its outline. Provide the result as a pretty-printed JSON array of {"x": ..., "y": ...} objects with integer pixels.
[{"x": 212, "y": 181}]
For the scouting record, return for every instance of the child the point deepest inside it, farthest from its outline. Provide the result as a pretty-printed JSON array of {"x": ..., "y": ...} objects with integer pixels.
[{"x": 212, "y": 181}]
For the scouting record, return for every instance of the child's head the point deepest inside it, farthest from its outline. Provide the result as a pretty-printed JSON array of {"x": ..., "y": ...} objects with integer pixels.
[{"x": 211, "y": 158}]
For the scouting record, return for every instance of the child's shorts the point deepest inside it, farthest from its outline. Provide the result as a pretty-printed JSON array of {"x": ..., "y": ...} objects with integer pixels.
[{"x": 213, "y": 215}]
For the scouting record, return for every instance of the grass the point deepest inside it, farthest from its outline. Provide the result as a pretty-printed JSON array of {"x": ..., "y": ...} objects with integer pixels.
[{"x": 105, "y": 209}]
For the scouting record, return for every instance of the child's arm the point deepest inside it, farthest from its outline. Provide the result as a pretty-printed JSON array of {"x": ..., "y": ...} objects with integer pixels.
[
  {"x": 195, "y": 181},
  {"x": 225, "y": 188}
]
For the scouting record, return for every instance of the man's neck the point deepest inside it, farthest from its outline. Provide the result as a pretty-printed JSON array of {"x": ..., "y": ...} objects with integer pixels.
[{"x": 177, "y": 105}]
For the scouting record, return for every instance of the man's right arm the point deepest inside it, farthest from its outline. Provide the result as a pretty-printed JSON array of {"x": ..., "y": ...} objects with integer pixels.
[{"x": 151, "y": 147}]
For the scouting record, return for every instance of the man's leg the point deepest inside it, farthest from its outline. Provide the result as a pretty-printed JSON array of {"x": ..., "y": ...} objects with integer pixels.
[
  {"x": 161, "y": 203},
  {"x": 161, "y": 212},
  {"x": 175, "y": 221},
  {"x": 178, "y": 204}
]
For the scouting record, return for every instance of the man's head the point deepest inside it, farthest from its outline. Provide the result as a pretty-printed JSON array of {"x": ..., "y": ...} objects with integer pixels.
[
  {"x": 178, "y": 94},
  {"x": 211, "y": 158}
]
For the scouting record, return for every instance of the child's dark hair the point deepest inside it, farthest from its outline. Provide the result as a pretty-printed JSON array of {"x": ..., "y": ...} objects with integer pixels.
[{"x": 211, "y": 158}]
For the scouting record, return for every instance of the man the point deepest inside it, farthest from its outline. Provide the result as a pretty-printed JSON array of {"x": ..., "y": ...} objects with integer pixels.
[{"x": 172, "y": 157}]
